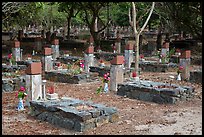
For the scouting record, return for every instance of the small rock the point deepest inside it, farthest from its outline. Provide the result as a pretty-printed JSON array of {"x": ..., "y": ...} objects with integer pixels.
[
  {"x": 128, "y": 121},
  {"x": 177, "y": 133}
]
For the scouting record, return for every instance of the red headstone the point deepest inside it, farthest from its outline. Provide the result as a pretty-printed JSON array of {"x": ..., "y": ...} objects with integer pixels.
[
  {"x": 55, "y": 42},
  {"x": 34, "y": 68},
  {"x": 47, "y": 51},
  {"x": 16, "y": 44},
  {"x": 165, "y": 45},
  {"x": 118, "y": 60},
  {"x": 185, "y": 54},
  {"x": 129, "y": 47},
  {"x": 90, "y": 50}
]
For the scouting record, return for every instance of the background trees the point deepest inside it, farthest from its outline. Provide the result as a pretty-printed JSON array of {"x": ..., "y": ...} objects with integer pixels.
[{"x": 170, "y": 16}]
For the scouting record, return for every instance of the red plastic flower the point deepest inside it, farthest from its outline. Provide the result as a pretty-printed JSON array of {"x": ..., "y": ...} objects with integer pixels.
[
  {"x": 22, "y": 88},
  {"x": 10, "y": 56},
  {"x": 21, "y": 93},
  {"x": 51, "y": 90},
  {"x": 180, "y": 67},
  {"x": 141, "y": 56},
  {"x": 101, "y": 61},
  {"x": 58, "y": 64},
  {"x": 82, "y": 65},
  {"x": 106, "y": 77},
  {"x": 134, "y": 74}
]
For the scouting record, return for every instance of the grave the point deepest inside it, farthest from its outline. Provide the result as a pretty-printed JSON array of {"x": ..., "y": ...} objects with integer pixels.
[
  {"x": 196, "y": 76},
  {"x": 187, "y": 44},
  {"x": 27, "y": 62},
  {"x": 101, "y": 71},
  {"x": 12, "y": 68},
  {"x": 68, "y": 76},
  {"x": 68, "y": 59},
  {"x": 33, "y": 82},
  {"x": 89, "y": 58},
  {"x": 151, "y": 48},
  {"x": 155, "y": 91},
  {"x": 55, "y": 49},
  {"x": 38, "y": 43},
  {"x": 12, "y": 82},
  {"x": 16, "y": 51},
  {"x": 108, "y": 56},
  {"x": 116, "y": 72},
  {"x": 128, "y": 55},
  {"x": 47, "y": 60},
  {"x": 73, "y": 113},
  {"x": 154, "y": 66},
  {"x": 185, "y": 62}
]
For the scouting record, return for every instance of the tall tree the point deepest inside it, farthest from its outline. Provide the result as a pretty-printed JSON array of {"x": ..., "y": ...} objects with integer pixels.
[
  {"x": 9, "y": 8},
  {"x": 181, "y": 16},
  {"x": 134, "y": 22},
  {"x": 71, "y": 9},
  {"x": 91, "y": 15}
]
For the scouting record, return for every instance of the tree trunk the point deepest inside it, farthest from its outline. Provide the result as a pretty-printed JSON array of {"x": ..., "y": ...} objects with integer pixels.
[
  {"x": 96, "y": 39},
  {"x": 159, "y": 39},
  {"x": 140, "y": 44},
  {"x": 68, "y": 27},
  {"x": 94, "y": 32},
  {"x": 137, "y": 37}
]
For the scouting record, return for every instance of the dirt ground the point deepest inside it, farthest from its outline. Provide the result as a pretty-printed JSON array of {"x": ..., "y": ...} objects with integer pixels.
[{"x": 135, "y": 117}]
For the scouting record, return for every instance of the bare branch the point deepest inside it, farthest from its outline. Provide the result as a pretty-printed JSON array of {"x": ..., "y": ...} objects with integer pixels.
[
  {"x": 145, "y": 12},
  {"x": 12, "y": 7},
  {"x": 130, "y": 20},
  {"x": 134, "y": 18},
  {"x": 152, "y": 8}
]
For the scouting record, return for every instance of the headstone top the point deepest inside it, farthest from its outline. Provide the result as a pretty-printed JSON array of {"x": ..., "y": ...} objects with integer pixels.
[
  {"x": 90, "y": 50},
  {"x": 55, "y": 42},
  {"x": 34, "y": 68},
  {"x": 185, "y": 54},
  {"x": 129, "y": 47},
  {"x": 165, "y": 45},
  {"x": 47, "y": 51},
  {"x": 16, "y": 44},
  {"x": 118, "y": 60}
]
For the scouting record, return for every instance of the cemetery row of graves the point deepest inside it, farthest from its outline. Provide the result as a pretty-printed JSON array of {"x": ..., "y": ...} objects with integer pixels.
[{"x": 116, "y": 69}]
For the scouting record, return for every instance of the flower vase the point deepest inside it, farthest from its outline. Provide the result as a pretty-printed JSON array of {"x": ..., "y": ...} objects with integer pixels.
[
  {"x": 10, "y": 62},
  {"x": 20, "y": 105},
  {"x": 105, "y": 87},
  {"x": 160, "y": 60},
  {"x": 81, "y": 69},
  {"x": 102, "y": 65},
  {"x": 179, "y": 76}
]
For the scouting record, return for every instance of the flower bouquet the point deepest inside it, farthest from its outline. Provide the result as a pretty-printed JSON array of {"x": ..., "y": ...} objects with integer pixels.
[
  {"x": 11, "y": 59},
  {"x": 21, "y": 94},
  {"x": 102, "y": 64},
  {"x": 179, "y": 71},
  {"x": 81, "y": 65},
  {"x": 106, "y": 79},
  {"x": 142, "y": 57}
]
